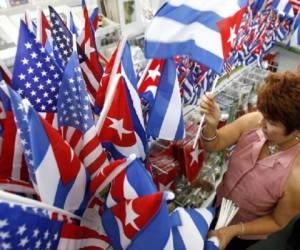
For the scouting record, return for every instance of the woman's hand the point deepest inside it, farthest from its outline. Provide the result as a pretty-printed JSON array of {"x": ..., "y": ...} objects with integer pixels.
[
  {"x": 224, "y": 235},
  {"x": 211, "y": 110}
]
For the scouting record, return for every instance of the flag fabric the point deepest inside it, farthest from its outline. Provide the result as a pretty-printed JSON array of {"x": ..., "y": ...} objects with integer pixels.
[
  {"x": 55, "y": 171},
  {"x": 212, "y": 244},
  {"x": 73, "y": 28},
  {"x": 165, "y": 117},
  {"x": 91, "y": 67},
  {"x": 121, "y": 124},
  {"x": 258, "y": 33},
  {"x": 45, "y": 28},
  {"x": 194, "y": 158},
  {"x": 229, "y": 28},
  {"x": 109, "y": 173},
  {"x": 132, "y": 182},
  {"x": 62, "y": 38},
  {"x": 130, "y": 78},
  {"x": 189, "y": 31},
  {"x": 295, "y": 5},
  {"x": 283, "y": 7},
  {"x": 13, "y": 171},
  {"x": 94, "y": 18},
  {"x": 101, "y": 93},
  {"x": 117, "y": 133},
  {"x": 27, "y": 227},
  {"x": 148, "y": 83},
  {"x": 76, "y": 120},
  {"x": 79, "y": 237},
  {"x": 194, "y": 79},
  {"x": 129, "y": 225},
  {"x": 36, "y": 76},
  {"x": 190, "y": 227},
  {"x": 19, "y": 187},
  {"x": 196, "y": 82},
  {"x": 46, "y": 38},
  {"x": 12, "y": 160}
]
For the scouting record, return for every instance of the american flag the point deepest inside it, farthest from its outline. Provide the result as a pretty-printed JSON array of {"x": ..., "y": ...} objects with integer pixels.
[
  {"x": 62, "y": 38},
  {"x": 33, "y": 231},
  {"x": 296, "y": 6},
  {"x": 39, "y": 230},
  {"x": 76, "y": 118},
  {"x": 36, "y": 76}
]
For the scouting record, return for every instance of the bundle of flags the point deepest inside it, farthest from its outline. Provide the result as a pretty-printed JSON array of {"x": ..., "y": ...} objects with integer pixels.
[
  {"x": 242, "y": 31},
  {"x": 194, "y": 79},
  {"x": 74, "y": 133}
]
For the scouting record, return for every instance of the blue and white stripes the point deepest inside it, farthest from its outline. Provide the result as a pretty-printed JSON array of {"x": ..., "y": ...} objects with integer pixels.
[
  {"x": 165, "y": 117},
  {"x": 190, "y": 227},
  {"x": 190, "y": 28}
]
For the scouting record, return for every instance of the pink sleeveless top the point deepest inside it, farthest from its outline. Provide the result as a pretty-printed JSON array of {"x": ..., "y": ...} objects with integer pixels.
[{"x": 255, "y": 185}]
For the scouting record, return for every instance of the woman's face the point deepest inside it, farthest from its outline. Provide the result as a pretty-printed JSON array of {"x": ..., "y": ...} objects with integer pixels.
[{"x": 273, "y": 131}]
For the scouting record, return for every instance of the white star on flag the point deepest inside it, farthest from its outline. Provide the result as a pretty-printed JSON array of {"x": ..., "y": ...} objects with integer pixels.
[
  {"x": 131, "y": 216},
  {"x": 232, "y": 35},
  {"x": 3, "y": 223},
  {"x": 163, "y": 187},
  {"x": 195, "y": 154},
  {"x": 118, "y": 126},
  {"x": 88, "y": 49},
  {"x": 153, "y": 73}
]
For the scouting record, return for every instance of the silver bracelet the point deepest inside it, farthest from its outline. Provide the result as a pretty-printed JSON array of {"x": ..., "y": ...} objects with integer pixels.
[{"x": 207, "y": 139}]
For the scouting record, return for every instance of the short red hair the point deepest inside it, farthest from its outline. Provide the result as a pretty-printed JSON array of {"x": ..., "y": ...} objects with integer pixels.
[{"x": 279, "y": 99}]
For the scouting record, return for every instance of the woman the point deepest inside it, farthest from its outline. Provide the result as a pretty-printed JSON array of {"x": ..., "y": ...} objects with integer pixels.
[{"x": 264, "y": 169}]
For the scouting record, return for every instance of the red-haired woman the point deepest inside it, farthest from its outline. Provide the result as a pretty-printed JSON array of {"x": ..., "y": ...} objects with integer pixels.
[{"x": 264, "y": 169}]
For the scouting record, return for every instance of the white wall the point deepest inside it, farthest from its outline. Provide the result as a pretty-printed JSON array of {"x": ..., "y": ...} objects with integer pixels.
[{"x": 287, "y": 60}]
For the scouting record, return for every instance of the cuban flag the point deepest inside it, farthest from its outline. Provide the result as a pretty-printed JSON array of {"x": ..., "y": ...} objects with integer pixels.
[
  {"x": 25, "y": 226},
  {"x": 165, "y": 119},
  {"x": 121, "y": 125},
  {"x": 149, "y": 81},
  {"x": 75, "y": 118},
  {"x": 189, "y": 27},
  {"x": 130, "y": 226},
  {"x": 194, "y": 158},
  {"x": 132, "y": 182},
  {"x": 117, "y": 133},
  {"x": 190, "y": 227},
  {"x": 56, "y": 172},
  {"x": 109, "y": 173},
  {"x": 283, "y": 7}
]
